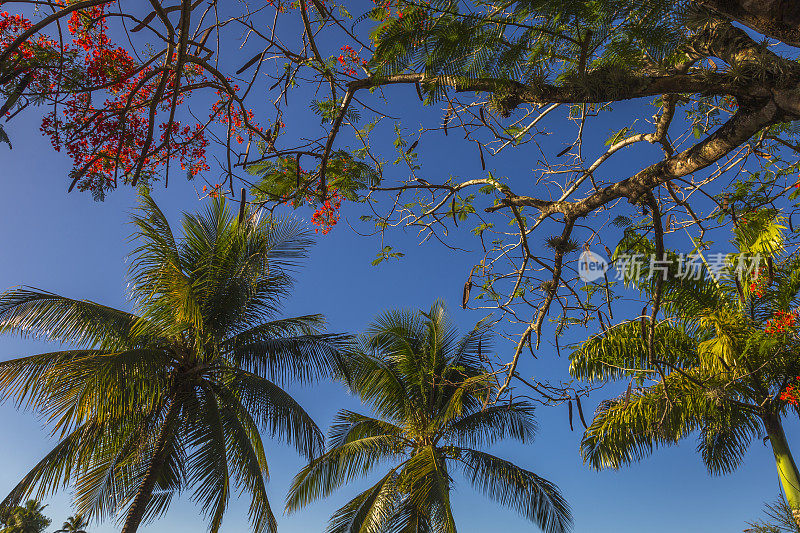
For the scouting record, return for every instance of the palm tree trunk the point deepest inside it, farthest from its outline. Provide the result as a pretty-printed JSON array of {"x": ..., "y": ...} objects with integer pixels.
[
  {"x": 145, "y": 492},
  {"x": 787, "y": 469}
]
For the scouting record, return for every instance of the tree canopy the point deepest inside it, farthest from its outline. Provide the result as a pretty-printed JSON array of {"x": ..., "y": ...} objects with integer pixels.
[{"x": 705, "y": 90}]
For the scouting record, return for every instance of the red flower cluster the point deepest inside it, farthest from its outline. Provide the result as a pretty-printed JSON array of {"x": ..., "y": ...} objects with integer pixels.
[
  {"x": 106, "y": 136},
  {"x": 781, "y": 322},
  {"x": 791, "y": 394},
  {"x": 327, "y": 215},
  {"x": 730, "y": 103},
  {"x": 348, "y": 58},
  {"x": 758, "y": 284}
]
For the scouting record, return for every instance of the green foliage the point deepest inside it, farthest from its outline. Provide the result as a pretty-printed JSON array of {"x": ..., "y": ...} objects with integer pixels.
[
  {"x": 74, "y": 524},
  {"x": 28, "y": 518},
  {"x": 427, "y": 387},
  {"x": 529, "y": 41},
  {"x": 282, "y": 180},
  {"x": 779, "y": 519},
  {"x": 713, "y": 371},
  {"x": 180, "y": 391}
]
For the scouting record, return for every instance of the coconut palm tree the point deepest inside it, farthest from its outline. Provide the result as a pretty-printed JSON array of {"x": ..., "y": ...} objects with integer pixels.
[
  {"x": 429, "y": 390},
  {"x": 74, "y": 524},
  {"x": 28, "y": 518},
  {"x": 720, "y": 362},
  {"x": 174, "y": 395}
]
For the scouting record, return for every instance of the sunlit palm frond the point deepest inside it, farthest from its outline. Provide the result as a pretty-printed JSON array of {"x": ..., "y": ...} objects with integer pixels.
[
  {"x": 513, "y": 420},
  {"x": 621, "y": 352},
  {"x": 43, "y": 315},
  {"x": 276, "y": 412},
  {"x": 535, "y": 498},
  {"x": 338, "y": 466}
]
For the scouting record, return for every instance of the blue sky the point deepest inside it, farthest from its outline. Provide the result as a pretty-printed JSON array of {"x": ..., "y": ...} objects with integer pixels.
[{"x": 74, "y": 246}]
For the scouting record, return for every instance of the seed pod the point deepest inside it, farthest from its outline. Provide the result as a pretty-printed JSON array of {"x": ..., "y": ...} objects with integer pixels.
[
  {"x": 791, "y": 227},
  {"x": 453, "y": 211},
  {"x": 447, "y": 118},
  {"x": 26, "y": 80},
  {"x": 483, "y": 162},
  {"x": 724, "y": 364},
  {"x": 628, "y": 394},
  {"x": 242, "y": 205},
  {"x": 419, "y": 92},
  {"x": 203, "y": 38},
  {"x": 608, "y": 252},
  {"x": 608, "y": 297},
  {"x": 144, "y": 22},
  {"x": 465, "y": 294},
  {"x": 321, "y": 8},
  {"x": 529, "y": 342},
  {"x": 600, "y": 318},
  {"x": 411, "y": 148},
  {"x": 570, "y": 416},
  {"x": 250, "y": 63},
  {"x": 483, "y": 115},
  {"x": 580, "y": 411},
  {"x": 558, "y": 348},
  {"x": 564, "y": 151}
]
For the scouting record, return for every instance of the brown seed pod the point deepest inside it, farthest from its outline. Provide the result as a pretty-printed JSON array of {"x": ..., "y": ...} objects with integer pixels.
[
  {"x": 608, "y": 297},
  {"x": 580, "y": 411},
  {"x": 483, "y": 116},
  {"x": 411, "y": 148},
  {"x": 570, "y": 416},
  {"x": 242, "y": 205},
  {"x": 250, "y": 63},
  {"x": 149, "y": 18},
  {"x": 628, "y": 394},
  {"x": 564, "y": 151},
  {"x": 26, "y": 80},
  {"x": 203, "y": 38},
  {"x": 465, "y": 294},
  {"x": 483, "y": 162},
  {"x": 600, "y": 318}
]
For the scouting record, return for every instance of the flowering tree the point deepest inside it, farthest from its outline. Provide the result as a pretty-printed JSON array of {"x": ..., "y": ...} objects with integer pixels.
[{"x": 711, "y": 106}]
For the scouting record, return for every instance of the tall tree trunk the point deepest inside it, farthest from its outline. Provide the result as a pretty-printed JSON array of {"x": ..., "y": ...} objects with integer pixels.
[
  {"x": 145, "y": 492},
  {"x": 787, "y": 469}
]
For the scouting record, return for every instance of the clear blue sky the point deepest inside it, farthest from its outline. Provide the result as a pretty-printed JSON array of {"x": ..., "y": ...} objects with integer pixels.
[{"x": 71, "y": 245}]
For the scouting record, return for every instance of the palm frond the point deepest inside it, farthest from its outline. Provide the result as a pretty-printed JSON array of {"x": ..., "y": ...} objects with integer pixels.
[{"x": 533, "y": 497}]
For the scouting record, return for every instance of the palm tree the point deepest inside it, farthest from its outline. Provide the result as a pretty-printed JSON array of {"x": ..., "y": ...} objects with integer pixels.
[
  {"x": 74, "y": 524},
  {"x": 718, "y": 367},
  {"x": 428, "y": 389},
  {"x": 173, "y": 396},
  {"x": 28, "y": 518}
]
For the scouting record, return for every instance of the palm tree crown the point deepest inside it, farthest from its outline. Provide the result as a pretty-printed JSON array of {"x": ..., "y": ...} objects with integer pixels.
[
  {"x": 28, "y": 518},
  {"x": 717, "y": 368},
  {"x": 74, "y": 524},
  {"x": 175, "y": 395},
  {"x": 428, "y": 388}
]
